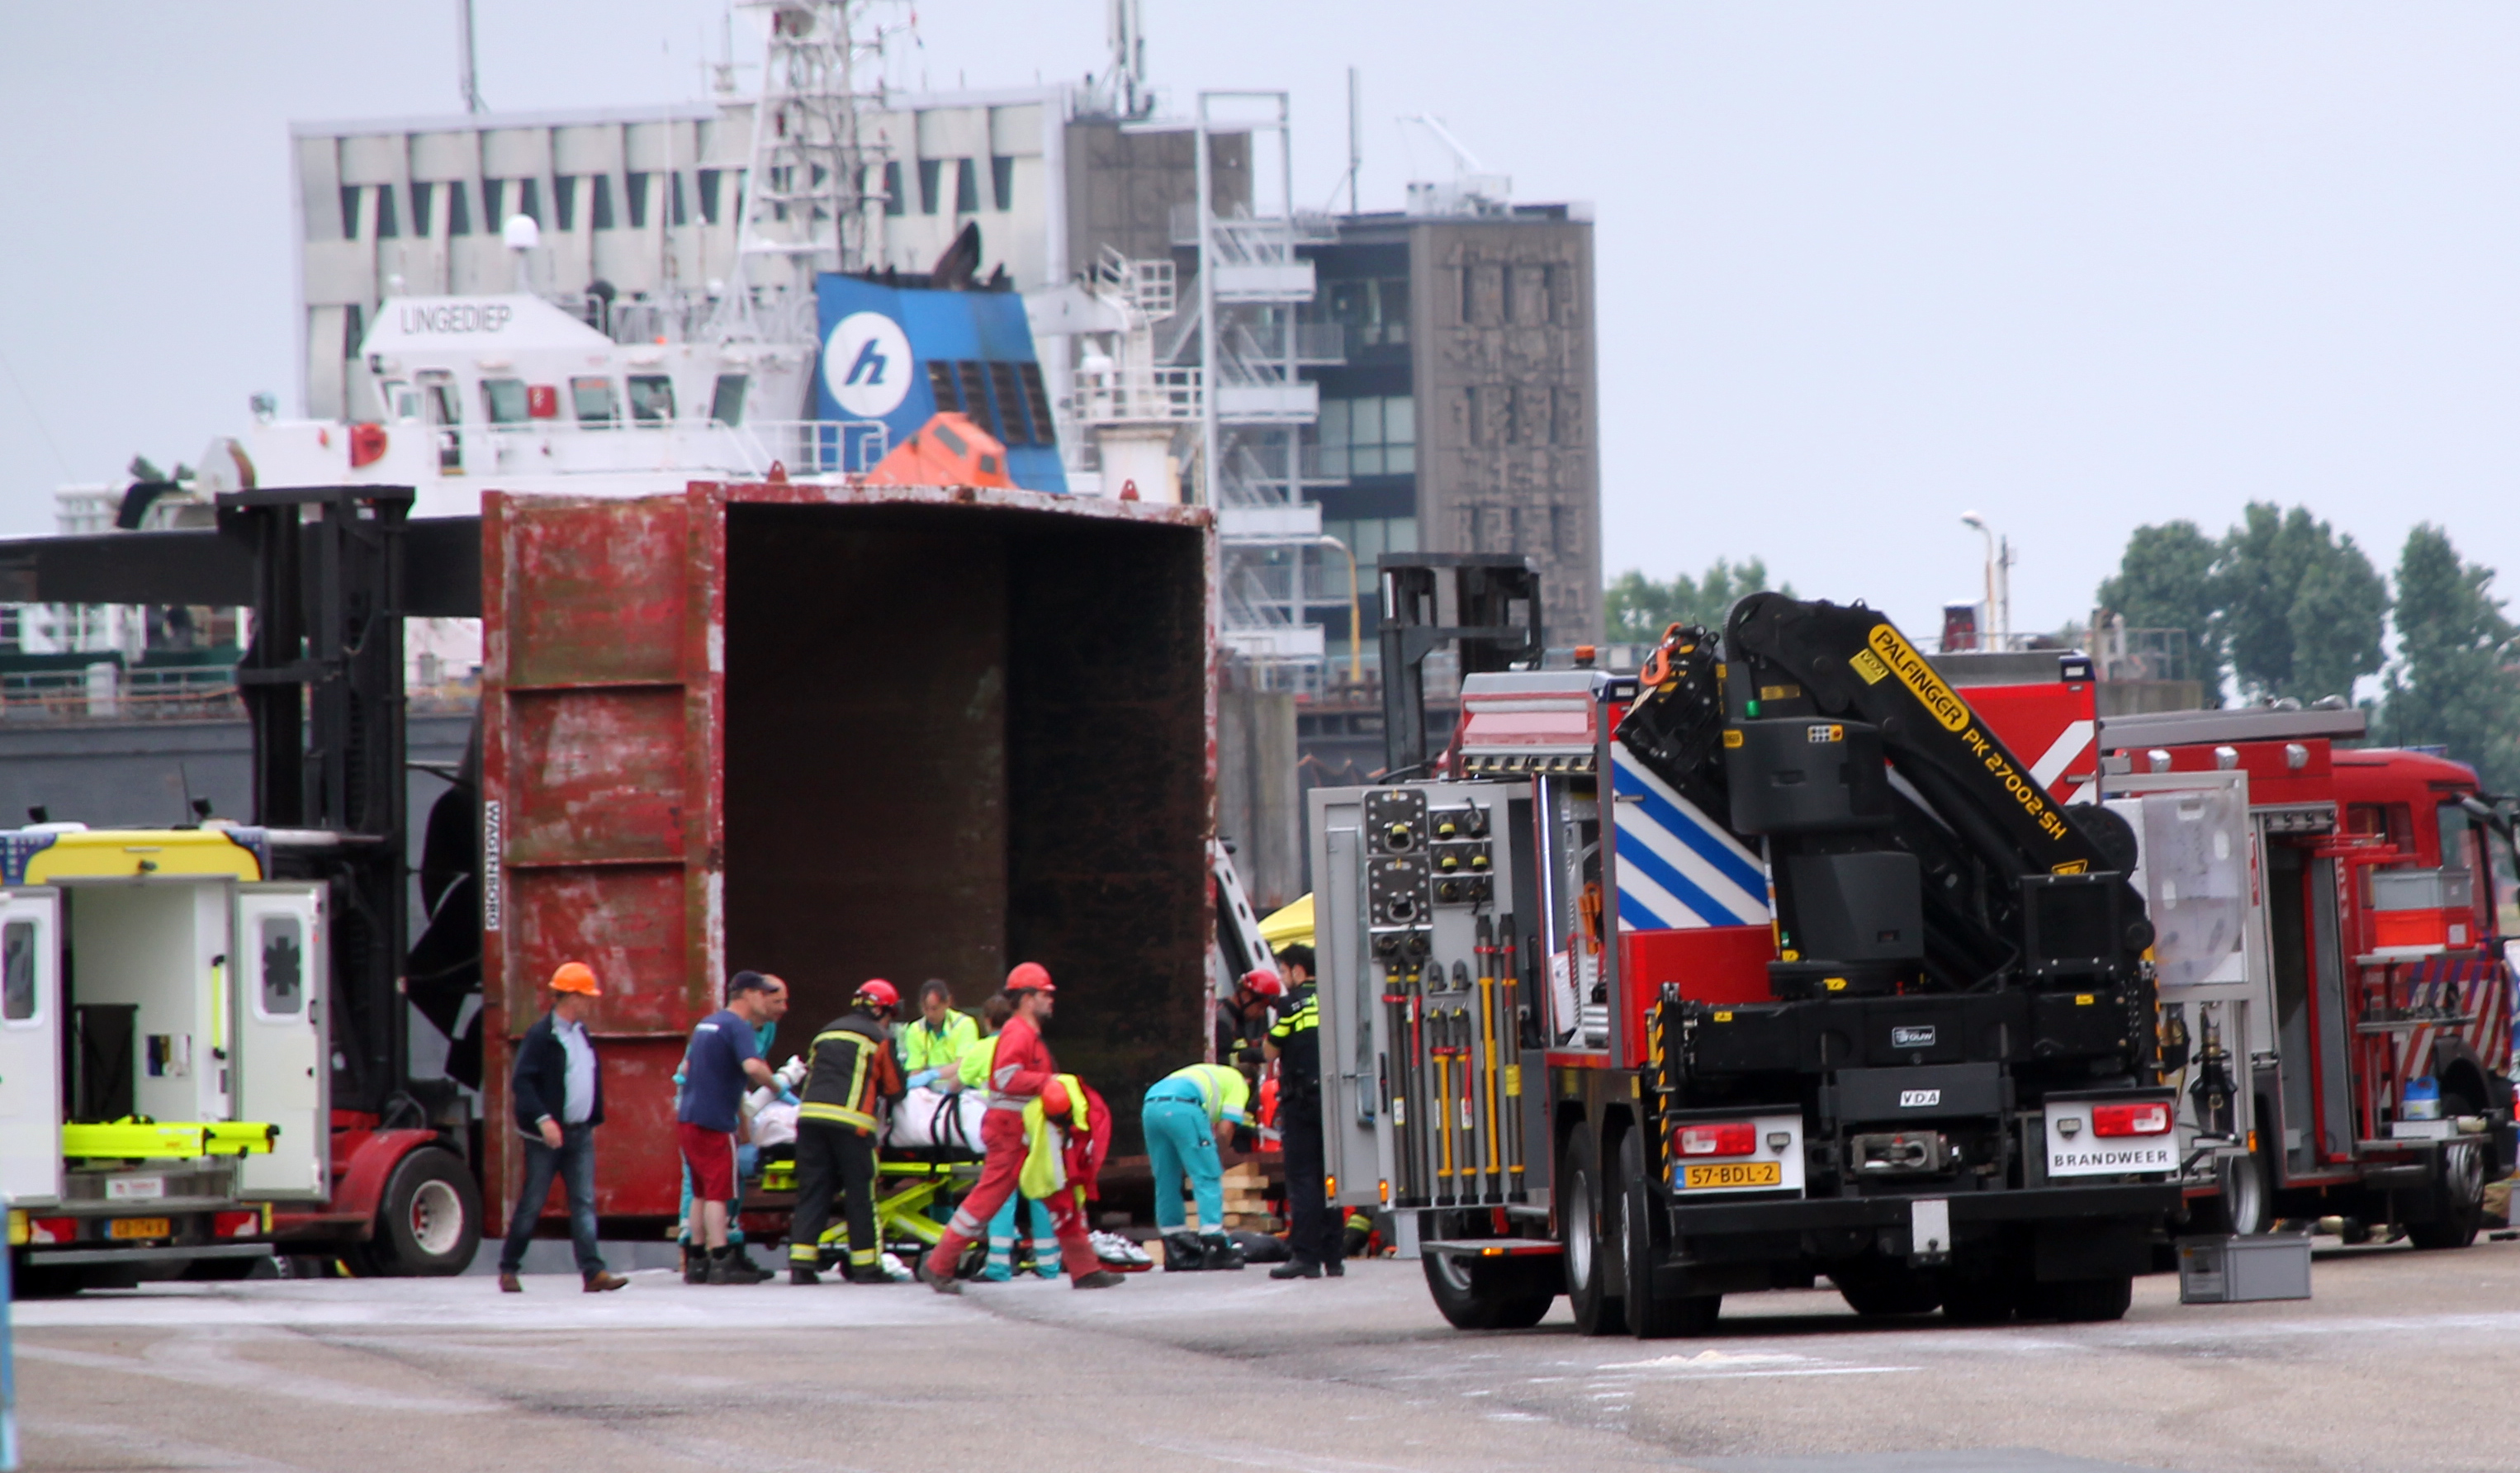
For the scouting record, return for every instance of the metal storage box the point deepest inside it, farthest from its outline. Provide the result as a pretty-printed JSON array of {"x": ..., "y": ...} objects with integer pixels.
[{"x": 2243, "y": 1270}]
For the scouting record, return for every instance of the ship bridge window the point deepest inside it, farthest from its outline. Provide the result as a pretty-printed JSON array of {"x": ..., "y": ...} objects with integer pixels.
[
  {"x": 726, "y": 403},
  {"x": 402, "y": 401},
  {"x": 445, "y": 410},
  {"x": 504, "y": 401},
  {"x": 651, "y": 398},
  {"x": 597, "y": 406}
]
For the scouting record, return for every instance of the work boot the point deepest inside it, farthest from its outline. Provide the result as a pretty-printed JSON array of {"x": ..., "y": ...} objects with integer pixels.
[
  {"x": 694, "y": 1264},
  {"x": 507, "y": 1285},
  {"x": 733, "y": 1268},
  {"x": 1297, "y": 1268},
  {"x": 1185, "y": 1253},
  {"x": 804, "y": 1276},
  {"x": 1099, "y": 1279},
  {"x": 866, "y": 1273},
  {"x": 1335, "y": 1267},
  {"x": 1220, "y": 1252},
  {"x": 942, "y": 1283},
  {"x": 605, "y": 1282}
]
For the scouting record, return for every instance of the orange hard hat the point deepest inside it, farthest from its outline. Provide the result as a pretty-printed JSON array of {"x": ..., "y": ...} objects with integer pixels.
[
  {"x": 1053, "y": 1099},
  {"x": 1030, "y": 976},
  {"x": 576, "y": 976},
  {"x": 1266, "y": 983}
]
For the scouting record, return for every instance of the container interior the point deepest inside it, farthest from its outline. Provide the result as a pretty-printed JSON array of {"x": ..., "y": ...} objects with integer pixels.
[{"x": 958, "y": 737}]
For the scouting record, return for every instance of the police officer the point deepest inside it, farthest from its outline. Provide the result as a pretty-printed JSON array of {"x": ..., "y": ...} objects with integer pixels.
[{"x": 1315, "y": 1240}]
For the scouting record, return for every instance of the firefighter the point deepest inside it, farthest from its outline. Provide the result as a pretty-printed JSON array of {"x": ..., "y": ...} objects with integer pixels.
[
  {"x": 1188, "y": 1114},
  {"x": 851, "y": 1068},
  {"x": 1243, "y": 1021},
  {"x": 1021, "y": 1073},
  {"x": 1315, "y": 1238}
]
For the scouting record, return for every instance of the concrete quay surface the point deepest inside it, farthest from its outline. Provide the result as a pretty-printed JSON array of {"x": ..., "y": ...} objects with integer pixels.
[{"x": 2404, "y": 1360}]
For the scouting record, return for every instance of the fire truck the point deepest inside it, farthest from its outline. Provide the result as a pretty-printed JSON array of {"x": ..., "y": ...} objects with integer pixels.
[{"x": 1786, "y": 959}]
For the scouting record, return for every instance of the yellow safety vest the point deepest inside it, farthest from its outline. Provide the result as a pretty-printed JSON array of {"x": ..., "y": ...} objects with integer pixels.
[{"x": 1045, "y": 1167}]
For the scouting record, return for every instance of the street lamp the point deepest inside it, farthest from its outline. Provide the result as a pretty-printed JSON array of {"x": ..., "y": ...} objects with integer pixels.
[{"x": 1999, "y": 580}]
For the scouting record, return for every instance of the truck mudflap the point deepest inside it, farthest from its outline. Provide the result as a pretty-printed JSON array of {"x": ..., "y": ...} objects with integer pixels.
[{"x": 2116, "y": 1199}]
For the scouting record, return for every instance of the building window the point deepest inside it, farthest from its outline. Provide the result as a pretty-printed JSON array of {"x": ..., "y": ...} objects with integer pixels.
[
  {"x": 894, "y": 203},
  {"x": 529, "y": 199},
  {"x": 1370, "y": 537},
  {"x": 967, "y": 187},
  {"x": 349, "y": 211},
  {"x": 636, "y": 187},
  {"x": 1369, "y": 436},
  {"x": 1002, "y": 182},
  {"x": 603, "y": 206},
  {"x": 459, "y": 209},
  {"x": 711, "y": 181},
  {"x": 564, "y": 201},
  {"x": 1528, "y": 420},
  {"x": 421, "y": 200},
  {"x": 931, "y": 184},
  {"x": 386, "y": 228},
  {"x": 681, "y": 215},
  {"x": 1373, "y": 311},
  {"x": 491, "y": 191}
]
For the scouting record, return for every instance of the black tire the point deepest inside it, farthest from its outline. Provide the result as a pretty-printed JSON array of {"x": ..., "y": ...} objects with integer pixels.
[
  {"x": 1875, "y": 1289},
  {"x": 1473, "y": 1296},
  {"x": 429, "y": 1224},
  {"x": 2458, "y": 1196},
  {"x": 1981, "y": 1293},
  {"x": 1586, "y": 1210},
  {"x": 2079, "y": 1301},
  {"x": 1652, "y": 1317}
]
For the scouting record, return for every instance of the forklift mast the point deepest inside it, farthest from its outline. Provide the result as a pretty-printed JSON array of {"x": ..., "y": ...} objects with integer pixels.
[
  {"x": 322, "y": 683},
  {"x": 1430, "y": 600}
]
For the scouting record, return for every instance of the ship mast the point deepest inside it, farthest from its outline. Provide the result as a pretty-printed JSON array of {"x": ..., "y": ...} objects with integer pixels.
[{"x": 808, "y": 207}]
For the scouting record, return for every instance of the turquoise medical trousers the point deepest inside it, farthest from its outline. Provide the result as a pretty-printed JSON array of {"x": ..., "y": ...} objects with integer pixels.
[{"x": 1181, "y": 1142}]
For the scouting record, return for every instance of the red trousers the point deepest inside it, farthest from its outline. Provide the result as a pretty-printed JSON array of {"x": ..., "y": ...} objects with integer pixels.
[{"x": 1001, "y": 1136}]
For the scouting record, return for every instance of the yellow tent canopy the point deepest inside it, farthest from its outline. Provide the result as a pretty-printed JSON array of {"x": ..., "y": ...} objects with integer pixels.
[{"x": 1291, "y": 926}]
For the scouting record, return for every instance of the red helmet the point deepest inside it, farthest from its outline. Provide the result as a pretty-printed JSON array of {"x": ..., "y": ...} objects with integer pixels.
[
  {"x": 878, "y": 993},
  {"x": 1266, "y": 983},
  {"x": 1030, "y": 976}
]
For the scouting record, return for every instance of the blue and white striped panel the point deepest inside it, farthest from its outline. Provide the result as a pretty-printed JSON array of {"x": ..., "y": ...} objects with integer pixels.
[{"x": 1678, "y": 867}]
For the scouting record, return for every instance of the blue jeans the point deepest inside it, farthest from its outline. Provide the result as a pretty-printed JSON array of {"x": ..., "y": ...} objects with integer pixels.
[
  {"x": 574, "y": 1164},
  {"x": 1181, "y": 1142}
]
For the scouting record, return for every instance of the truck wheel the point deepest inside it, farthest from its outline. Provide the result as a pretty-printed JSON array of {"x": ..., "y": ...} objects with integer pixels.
[
  {"x": 1651, "y": 1315},
  {"x": 1583, "y": 1202},
  {"x": 2458, "y": 1198},
  {"x": 1471, "y": 1297},
  {"x": 429, "y": 1224},
  {"x": 1874, "y": 1288},
  {"x": 2079, "y": 1301}
]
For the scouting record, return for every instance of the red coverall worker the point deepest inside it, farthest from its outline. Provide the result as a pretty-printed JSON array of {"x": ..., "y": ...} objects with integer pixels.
[{"x": 1018, "y": 1075}]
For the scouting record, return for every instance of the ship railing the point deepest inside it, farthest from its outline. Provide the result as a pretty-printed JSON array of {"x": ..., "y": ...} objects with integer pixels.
[
  {"x": 106, "y": 691},
  {"x": 1108, "y": 395}
]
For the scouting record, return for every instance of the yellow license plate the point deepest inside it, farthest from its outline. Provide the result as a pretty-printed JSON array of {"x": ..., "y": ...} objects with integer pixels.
[
  {"x": 140, "y": 1227},
  {"x": 1732, "y": 1174}
]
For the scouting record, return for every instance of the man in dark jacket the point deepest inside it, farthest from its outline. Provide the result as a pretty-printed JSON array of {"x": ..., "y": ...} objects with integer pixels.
[
  {"x": 558, "y": 1094},
  {"x": 850, "y": 1069}
]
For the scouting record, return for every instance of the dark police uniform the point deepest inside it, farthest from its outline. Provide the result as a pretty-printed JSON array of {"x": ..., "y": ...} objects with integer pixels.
[{"x": 1316, "y": 1234}]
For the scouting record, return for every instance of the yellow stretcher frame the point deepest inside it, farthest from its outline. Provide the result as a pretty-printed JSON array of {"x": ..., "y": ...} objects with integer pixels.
[
  {"x": 166, "y": 1141},
  {"x": 900, "y": 1211}
]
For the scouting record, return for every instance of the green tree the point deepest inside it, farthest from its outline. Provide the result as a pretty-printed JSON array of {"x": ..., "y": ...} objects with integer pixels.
[
  {"x": 2303, "y": 609},
  {"x": 2453, "y": 684},
  {"x": 1636, "y": 610},
  {"x": 2166, "y": 579}
]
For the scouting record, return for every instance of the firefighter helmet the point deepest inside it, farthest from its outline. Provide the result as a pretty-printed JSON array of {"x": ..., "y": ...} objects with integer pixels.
[
  {"x": 878, "y": 993},
  {"x": 1030, "y": 976}
]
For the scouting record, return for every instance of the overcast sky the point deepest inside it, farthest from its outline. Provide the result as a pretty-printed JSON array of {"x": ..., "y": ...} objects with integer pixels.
[{"x": 1862, "y": 266}]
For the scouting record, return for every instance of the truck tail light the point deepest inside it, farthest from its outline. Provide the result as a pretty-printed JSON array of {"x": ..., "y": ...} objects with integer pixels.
[
  {"x": 52, "y": 1230},
  {"x": 2130, "y": 1119},
  {"x": 235, "y": 1224},
  {"x": 1730, "y": 1138}
]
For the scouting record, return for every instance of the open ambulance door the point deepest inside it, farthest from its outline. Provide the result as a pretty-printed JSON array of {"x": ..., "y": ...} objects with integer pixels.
[
  {"x": 30, "y": 1046},
  {"x": 284, "y": 1069}
]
